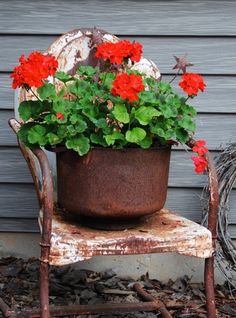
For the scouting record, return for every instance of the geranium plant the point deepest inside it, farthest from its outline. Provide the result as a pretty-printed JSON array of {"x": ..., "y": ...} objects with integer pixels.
[{"x": 115, "y": 106}]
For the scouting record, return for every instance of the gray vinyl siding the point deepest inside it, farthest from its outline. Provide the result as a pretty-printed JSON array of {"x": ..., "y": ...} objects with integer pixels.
[{"x": 206, "y": 30}]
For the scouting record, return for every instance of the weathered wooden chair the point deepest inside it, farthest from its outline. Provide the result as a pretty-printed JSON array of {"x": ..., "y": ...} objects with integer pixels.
[{"x": 64, "y": 242}]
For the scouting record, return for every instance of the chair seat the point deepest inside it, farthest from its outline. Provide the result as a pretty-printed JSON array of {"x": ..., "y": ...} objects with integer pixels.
[{"x": 161, "y": 232}]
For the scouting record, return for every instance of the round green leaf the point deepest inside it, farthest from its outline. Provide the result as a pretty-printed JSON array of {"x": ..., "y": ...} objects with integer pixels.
[
  {"x": 135, "y": 135},
  {"x": 120, "y": 113},
  {"x": 144, "y": 114},
  {"x": 80, "y": 144}
]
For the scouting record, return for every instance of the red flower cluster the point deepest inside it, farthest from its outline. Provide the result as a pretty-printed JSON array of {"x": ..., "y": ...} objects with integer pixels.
[
  {"x": 192, "y": 83},
  {"x": 200, "y": 162},
  {"x": 33, "y": 70},
  {"x": 200, "y": 148},
  {"x": 127, "y": 86},
  {"x": 117, "y": 52}
]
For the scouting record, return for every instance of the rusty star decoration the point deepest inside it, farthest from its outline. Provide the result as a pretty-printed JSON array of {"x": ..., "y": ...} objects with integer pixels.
[{"x": 182, "y": 63}]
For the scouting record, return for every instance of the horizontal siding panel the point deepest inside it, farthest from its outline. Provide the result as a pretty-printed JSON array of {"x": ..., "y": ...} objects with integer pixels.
[
  {"x": 13, "y": 166},
  {"x": 18, "y": 201},
  {"x": 232, "y": 231},
  {"x": 19, "y": 225},
  {"x": 7, "y": 136},
  {"x": 121, "y": 17},
  {"x": 217, "y": 129},
  {"x": 6, "y": 92},
  {"x": 219, "y": 96},
  {"x": 209, "y": 55},
  {"x": 189, "y": 203}
]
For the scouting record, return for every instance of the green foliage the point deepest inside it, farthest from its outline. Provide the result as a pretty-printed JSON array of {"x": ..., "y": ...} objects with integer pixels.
[
  {"x": 120, "y": 113},
  {"x": 111, "y": 139},
  {"x": 135, "y": 135},
  {"x": 78, "y": 143},
  {"x": 84, "y": 113},
  {"x": 47, "y": 91},
  {"x": 144, "y": 114}
]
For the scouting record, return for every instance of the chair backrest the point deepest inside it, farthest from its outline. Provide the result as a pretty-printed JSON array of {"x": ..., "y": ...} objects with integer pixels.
[{"x": 73, "y": 49}]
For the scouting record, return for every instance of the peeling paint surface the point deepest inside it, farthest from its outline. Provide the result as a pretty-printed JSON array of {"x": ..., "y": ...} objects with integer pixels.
[{"x": 162, "y": 232}]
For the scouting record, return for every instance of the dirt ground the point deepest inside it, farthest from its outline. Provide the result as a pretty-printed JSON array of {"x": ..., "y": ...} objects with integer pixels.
[{"x": 19, "y": 288}]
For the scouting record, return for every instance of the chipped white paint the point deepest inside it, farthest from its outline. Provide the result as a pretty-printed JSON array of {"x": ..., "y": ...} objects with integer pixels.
[
  {"x": 147, "y": 67},
  {"x": 163, "y": 232},
  {"x": 110, "y": 38}
]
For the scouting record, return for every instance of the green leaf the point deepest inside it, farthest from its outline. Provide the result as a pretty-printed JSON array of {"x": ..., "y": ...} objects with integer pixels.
[
  {"x": 107, "y": 79},
  {"x": 80, "y": 144},
  {"x": 161, "y": 130},
  {"x": 98, "y": 139},
  {"x": 79, "y": 127},
  {"x": 168, "y": 110},
  {"x": 62, "y": 76},
  {"x": 32, "y": 109},
  {"x": 187, "y": 123},
  {"x": 51, "y": 119},
  {"x": 62, "y": 131},
  {"x": 182, "y": 135},
  {"x": 111, "y": 139},
  {"x": 120, "y": 113},
  {"x": 144, "y": 114},
  {"x": 146, "y": 142},
  {"x": 80, "y": 88},
  {"x": 135, "y": 135},
  {"x": 102, "y": 123},
  {"x": 25, "y": 110},
  {"x": 164, "y": 87},
  {"x": 47, "y": 91},
  {"x": 79, "y": 124},
  {"x": 53, "y": 139},
  {"x": 147, "y": 97},
  {"x": 23, "y": 132},
  {"x": 87, "y": 70},
  {"x": 61, "y": 105},
  {"x": 37, "y": 135}
]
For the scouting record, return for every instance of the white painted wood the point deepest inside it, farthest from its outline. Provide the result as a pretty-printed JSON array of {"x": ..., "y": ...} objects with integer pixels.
[{"x": 162, "y": 232}]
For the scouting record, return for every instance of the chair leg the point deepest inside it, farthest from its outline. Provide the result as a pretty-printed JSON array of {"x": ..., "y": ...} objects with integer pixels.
[
  {"x": 44, "y": 290},
  {"x": 209, "y": 287}
]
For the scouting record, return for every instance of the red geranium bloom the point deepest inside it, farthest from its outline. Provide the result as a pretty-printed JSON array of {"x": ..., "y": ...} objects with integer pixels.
[
  {"x": 192, "y": 83},
  {"x": 59, "y": 116},
  {"x": 33, "y": 70},
  {"x": 136, "y": 52},
  {"x": 200, "y": 148},
  {"x": 200, "y": 164},
  {"x": 127, "y": 86},
  {"x": 117, "y": 52}
]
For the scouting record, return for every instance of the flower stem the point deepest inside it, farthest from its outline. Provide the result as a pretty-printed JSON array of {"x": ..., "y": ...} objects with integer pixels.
[
  {"x": 34, "y": 94},
  {"x": 174, "y": 77}
]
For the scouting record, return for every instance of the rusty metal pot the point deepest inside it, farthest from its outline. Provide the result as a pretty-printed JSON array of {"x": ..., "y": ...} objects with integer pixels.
[{"x": 113, "y": 184}]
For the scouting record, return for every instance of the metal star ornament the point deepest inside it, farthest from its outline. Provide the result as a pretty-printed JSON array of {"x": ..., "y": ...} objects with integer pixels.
[{"x": 182, "y": 63}]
